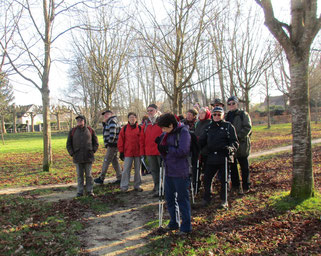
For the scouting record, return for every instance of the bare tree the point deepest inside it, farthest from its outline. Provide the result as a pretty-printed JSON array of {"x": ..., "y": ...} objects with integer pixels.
[
  {"x": 296, "y": 40},
  {"x": 175, "y": 44},
  {"x": 32, "y": 54}
]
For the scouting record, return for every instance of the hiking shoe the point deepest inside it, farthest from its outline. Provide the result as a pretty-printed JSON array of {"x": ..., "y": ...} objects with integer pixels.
[
  {"x": 168, "y": 228},
  {"x": 182, "y": 233},
  {"x": 224, "y": 205},
  {"x": 205, "y": 203},
  {"x": 79, "y": 195},
  {"x": 99, "y": 180},
  {"x": 138, "y": 189},
  {"x": 116, "y": 182},
  {"x": 91, "y": 194}
]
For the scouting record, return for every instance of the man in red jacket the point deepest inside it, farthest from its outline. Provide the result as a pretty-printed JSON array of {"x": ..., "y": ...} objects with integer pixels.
[
  {"x": 128, "y": 147},
  {"x": 150, "y": 131}
]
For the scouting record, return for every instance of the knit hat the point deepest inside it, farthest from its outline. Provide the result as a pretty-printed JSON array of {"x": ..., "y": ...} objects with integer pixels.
[
  {"x": 218, "y": 109},
  {"x": 233, "y": 98},
  {"x": 152, "y": 106},
  {"x": 217, "y": 102}
]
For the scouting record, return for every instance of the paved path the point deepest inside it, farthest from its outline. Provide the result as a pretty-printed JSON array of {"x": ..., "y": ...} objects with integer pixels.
[{"x": 253, "y": 155}]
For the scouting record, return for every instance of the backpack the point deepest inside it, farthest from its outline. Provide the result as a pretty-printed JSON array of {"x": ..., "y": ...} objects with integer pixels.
[
  {"x": 125, "y": 127},
  {"x": 194, "y": 148},
  {"x": 74, "y": 130}
]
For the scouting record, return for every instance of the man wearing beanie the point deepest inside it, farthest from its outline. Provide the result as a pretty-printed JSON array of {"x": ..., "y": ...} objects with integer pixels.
[
  {"x": 82, "y": 143},
  {"x": 243, "y": 125}
]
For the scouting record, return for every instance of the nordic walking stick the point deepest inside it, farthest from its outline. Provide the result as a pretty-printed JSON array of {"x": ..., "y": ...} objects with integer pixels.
[
  {"x": 161, "y": 194},
  {"x": 197, "y": 173},
  {"x": 225, "y": 179},
  {"x": 192, "y": 191}
]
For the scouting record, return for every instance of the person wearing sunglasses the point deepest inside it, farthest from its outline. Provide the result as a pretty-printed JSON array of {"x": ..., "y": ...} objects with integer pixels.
[
  {"x": 221, "y": 141},
  {"x": 242, "y": 122}
]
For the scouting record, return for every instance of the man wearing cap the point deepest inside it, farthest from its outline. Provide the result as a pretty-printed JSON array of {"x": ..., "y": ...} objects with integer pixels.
[
  {"x": 217, "y": 103},
  {"x": 221, "y": 141},
  {"x": 149, "y": 132},
  {"x": 111, "y": 130},
  {"x": 82, "y": 143},
  {"x": 243, "y": 125}
]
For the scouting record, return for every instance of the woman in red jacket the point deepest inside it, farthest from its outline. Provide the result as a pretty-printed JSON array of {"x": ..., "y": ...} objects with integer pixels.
[{"x": 128, "y": 147}]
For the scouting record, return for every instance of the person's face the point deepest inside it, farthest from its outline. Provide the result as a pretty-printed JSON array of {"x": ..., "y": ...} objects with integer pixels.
[
  {"x": 80, "y": 122},
  {"x": 217, "y": 116},
  {"x": 132, "y": 119},
  {"x": 232, "y": 105},
  {"x": 189, "y": 116},
  {"x": 107, "y": 115},
  {"x": 151, "y": 112},
  {"x": 202, "y": 114},
  {"x": 167, "y": 129}
]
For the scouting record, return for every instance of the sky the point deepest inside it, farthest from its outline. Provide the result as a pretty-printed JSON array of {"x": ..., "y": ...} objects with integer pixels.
[{"x": 27, "y": 94}]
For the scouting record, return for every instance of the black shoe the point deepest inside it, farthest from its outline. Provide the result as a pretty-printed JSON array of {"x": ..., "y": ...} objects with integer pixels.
[
  {"x": 223, "y": 205},
  {"x": 182, "y": 233},
  {"x": 138, "y": 189},
  {"x": 79, "y": 195},
  {"x": 205, "y": 203},
  {"x": 99, "y": 180},
  {"x": 168, "y": 228},
  {"x": 155, "y": 195},
  {"x": 116, "y": 182}
]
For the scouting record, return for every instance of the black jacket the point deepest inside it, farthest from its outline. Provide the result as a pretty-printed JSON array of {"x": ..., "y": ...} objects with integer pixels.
[{"x": 221, "y": 141}]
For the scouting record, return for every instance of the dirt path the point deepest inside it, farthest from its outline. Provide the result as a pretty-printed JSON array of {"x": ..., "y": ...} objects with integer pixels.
[{"x": 122, "y": 231}]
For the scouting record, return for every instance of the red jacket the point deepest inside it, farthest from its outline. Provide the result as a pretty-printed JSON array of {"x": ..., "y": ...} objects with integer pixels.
[
  {"x": 148, "y": 134},
  {"x": 128, "y": 141}
]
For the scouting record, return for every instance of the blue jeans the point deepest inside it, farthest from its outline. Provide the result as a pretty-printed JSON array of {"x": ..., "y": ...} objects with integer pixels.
[{"x": 177, "y": 198}]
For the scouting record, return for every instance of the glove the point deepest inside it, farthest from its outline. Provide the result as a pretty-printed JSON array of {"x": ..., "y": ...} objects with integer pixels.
[
  {"x": 157, "y": 140},
  {"x": 121, "y": 156},
  {"x": 228, "y": 150},
  {"x": 163, "y": 149}
]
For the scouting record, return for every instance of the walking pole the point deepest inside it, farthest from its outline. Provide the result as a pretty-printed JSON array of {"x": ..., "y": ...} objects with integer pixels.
[
  {"x": 192, "y": 191},
  {"x": 197, "y": 173},
  {"x": 161, "y": 194},
  {"x": 226, "y": 179}
]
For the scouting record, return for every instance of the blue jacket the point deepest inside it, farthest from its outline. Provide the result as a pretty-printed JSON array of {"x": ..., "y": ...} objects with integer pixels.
[{"x": 176, "y": 160}]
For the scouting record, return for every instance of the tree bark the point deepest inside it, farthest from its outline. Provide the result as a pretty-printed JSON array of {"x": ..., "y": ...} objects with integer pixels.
[{"x": 302, "y": 180}]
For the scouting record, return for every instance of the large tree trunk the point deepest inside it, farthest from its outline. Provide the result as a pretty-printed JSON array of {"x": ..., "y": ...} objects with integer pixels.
[
  {"x": 303, "y": 182},
  {"x": 3, "y": 127}
]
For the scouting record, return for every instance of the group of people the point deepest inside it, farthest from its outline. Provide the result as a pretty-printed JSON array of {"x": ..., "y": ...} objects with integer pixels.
[{"x": 206, "y": 141}]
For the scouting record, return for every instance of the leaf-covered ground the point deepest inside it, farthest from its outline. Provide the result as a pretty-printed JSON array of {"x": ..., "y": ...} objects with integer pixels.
[{"x": 255, "y": 224}]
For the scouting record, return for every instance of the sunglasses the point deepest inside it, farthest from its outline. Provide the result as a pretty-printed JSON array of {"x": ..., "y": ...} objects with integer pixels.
[
  {"x": 231, "y": 103},
  {"x": 217, "y": 114},
  {"x": 150, "y": 110}
]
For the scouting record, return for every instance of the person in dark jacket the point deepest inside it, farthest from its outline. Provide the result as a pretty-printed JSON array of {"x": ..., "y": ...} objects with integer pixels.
[
  {"x": 243, "y": 125},
  {"x": 111, "y": 130},
  {"x": 221, "y": 142},
  {"x": 174, "y": 146},
  {"x": 201, "y": 125},
  {"x": 128, "y": 146},
  {"x": 82, "y": 143}
]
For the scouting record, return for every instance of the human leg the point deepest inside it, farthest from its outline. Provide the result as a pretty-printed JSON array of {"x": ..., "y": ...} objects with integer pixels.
[
  {"x": 210, "y": 171},
  {"x": 235, "y": 177},
  {"x": 125, "y": 178},
  {"x": 115, "y": 163},
  {"x": 171, "y": 201},
  {"x": 181, "y": 186},
  {"x": 80, "y": 178},
  {"x": 89, "y": 179},
  {"x": 154, "y": 164},
  {"x": 137, "y": 175},
  {"x": 244, "y": 164}
]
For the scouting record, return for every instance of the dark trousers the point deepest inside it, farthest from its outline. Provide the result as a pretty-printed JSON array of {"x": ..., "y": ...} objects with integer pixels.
[
  {"x": 194, "y": 164},
  {"x": 177, "y": 198},
  {"x": 210, "y": 171},
  {"x": 235, "y": 177},
  {"x": 200, "y": 165}
]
